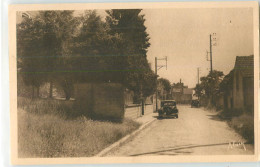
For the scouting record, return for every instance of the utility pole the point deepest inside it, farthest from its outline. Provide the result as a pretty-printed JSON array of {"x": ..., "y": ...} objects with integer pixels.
[
  {"x": 213, "y": 35},
  {"x": 156, "y": 93},
  {"x": 210, "y": 48},
  {"x": 198, "y": 81},
  {"x": 198, "y": 75},
  {"x": 157, "y": 68}
]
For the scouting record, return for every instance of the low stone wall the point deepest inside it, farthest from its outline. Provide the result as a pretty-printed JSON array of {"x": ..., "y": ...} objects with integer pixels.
[{"x": 134, "y": 112}]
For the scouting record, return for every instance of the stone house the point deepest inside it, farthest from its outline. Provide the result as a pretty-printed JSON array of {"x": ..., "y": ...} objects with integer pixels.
[{"x": 239, "y": 86}]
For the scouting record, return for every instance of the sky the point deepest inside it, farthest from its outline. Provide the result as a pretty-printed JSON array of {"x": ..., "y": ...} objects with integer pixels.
[{"x": 183, "y": 36}]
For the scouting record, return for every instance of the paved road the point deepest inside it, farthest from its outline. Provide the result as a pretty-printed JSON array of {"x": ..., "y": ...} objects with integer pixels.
[{"x": 195, "y": 132}]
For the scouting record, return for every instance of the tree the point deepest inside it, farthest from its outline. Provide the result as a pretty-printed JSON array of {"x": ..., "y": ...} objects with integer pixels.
[
  {"x": 226, "y": 83},
  {"x": 93, "y": 51},
  {"x": 43, "y": 47},
  {"x": 128, "y": 26},
  {"x": 210, "y": 86},
  {"x": 164, "y": 86},
  {"x": 165, "y": 83},
  {"x": 57, "y": 47},
  {"x": 199, "y": 91},
  {"x": 29, "y": 54}
]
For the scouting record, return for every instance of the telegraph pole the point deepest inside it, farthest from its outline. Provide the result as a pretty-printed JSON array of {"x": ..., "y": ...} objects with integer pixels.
[
  {"x": 156, "y": 69},
  {"x": 198, "y": 81},
  {"x": 198, "y": 75},
  {"x": 156, "y": 93},
  {"x": 210, "y": 47}
]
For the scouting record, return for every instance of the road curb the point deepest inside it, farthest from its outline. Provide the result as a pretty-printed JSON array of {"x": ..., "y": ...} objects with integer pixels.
[{"x": 123, "y": 140}]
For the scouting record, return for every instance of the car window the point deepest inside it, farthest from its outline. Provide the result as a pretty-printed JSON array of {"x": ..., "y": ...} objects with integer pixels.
[{"x": 169, "y": 104}]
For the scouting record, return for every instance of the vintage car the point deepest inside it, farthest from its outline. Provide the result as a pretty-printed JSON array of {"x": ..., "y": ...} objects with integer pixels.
[
  {"x": 195, "y": 103},
  {"x": 168, "y": 109}
]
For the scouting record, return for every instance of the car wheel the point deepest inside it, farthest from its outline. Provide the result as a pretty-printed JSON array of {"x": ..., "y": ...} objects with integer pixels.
[{"x": 177, "y": 116}]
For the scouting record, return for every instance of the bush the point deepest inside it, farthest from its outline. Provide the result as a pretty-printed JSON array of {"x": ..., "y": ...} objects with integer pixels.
[{"x": 244, "y": 125}]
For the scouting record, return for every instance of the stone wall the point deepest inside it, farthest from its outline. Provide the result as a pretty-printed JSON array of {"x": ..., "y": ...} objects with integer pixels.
[
  {"x": 100, "y": 100},
  {"x": 134, "y": 112}
]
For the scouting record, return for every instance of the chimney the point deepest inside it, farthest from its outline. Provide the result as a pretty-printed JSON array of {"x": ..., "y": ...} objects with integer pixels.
[{"x": 180, "y": 80}]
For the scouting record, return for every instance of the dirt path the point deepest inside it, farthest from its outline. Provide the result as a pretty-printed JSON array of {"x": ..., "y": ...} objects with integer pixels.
[{"x": 195, "y": 132}]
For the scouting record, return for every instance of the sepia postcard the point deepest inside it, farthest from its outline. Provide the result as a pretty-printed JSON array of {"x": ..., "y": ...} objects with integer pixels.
[{"x": 160, "y": 82}]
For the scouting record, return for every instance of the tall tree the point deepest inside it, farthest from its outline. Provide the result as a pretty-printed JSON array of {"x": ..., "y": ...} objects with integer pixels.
[
  {"x": 92, "y": 50},
  {"x": 128, "y": 25},
  {"x": 29, "y": 42},
  {"x": 43, "y": 44}
]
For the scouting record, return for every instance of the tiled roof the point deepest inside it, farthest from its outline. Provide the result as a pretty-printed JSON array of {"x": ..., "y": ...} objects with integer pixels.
[{"x": 245, "y": 64}]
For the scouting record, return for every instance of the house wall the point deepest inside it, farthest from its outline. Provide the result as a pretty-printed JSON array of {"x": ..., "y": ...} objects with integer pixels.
[
  {"x": 238, "y": 98},
  {"x": 101, "y": 100},
  {"x": 229, "y": 100},
  {"x": 248, "y": 89}
]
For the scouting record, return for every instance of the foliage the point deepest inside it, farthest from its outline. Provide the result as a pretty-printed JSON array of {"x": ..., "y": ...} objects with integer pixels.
[
  {"x": 165, "y": 83},
  {"x": 199, "y": 90},
  {"x": 226, "y": 83},
  {"x": 210, "y": 86},
  {"x": 57, "y": 47},
  {"x": 43, "y": 42},
  {"x": 128, "y": 25}
]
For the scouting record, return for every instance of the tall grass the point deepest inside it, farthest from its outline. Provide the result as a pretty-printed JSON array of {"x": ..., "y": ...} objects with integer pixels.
[
  {"x": 242, "y": 121},
  {"x": 244, "y": 125},
  {"x": 40, "y": 106},
  {"x": 45, "y": 131}
]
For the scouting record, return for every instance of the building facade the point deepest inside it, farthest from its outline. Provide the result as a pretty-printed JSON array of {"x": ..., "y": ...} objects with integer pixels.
[
  {"x": 181, "y": 93},
  {"x": 239, "y": 93}
]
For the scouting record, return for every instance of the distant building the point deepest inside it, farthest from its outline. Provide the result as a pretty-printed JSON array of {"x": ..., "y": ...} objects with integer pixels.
[
  {"x": 187, "y": 95},
  {"x": 239, "y": 92},
  {"x": 181, "y": 93}
]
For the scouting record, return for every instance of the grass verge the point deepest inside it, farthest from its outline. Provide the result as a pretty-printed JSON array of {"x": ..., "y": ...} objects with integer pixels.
[
  {"x": 242, "y": 122},
  {"x": 244, "y": 125},
  {"x": 46, "y": 132}
]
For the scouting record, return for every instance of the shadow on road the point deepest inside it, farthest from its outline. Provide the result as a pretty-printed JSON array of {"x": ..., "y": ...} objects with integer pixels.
[
  {"x": 215, "y": 118},
  {"x": 165, "y": 117},
  {"x": 177, "y": 150}
]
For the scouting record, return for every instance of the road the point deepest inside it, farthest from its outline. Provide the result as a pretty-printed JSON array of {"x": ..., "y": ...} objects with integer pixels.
[{"x": 195, "y": 132}]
